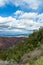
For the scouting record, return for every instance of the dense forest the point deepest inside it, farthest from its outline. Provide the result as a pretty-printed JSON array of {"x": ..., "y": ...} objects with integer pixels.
[{"x": 35, "y": 40}]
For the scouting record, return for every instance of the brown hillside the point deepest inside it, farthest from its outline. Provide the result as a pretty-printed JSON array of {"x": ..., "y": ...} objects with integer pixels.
[{"x": 9, "y": 42}]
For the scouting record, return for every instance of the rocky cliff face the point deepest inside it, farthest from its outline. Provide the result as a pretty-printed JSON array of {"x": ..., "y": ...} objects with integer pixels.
[{"x": 9, "y": 42}]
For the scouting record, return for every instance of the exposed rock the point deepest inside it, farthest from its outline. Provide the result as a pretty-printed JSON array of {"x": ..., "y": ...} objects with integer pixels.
[
  {"x": 33, "y": 55},
  {"x": 9, "y": 42}
]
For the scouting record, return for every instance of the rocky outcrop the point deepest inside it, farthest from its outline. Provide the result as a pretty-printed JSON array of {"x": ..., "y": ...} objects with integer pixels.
[{"x": 33, "y": 55}]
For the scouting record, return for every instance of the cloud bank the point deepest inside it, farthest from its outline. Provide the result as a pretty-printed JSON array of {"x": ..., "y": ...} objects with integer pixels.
[
  {"x": 22, "y": 21},
  {"x": 25, "y": 22}
]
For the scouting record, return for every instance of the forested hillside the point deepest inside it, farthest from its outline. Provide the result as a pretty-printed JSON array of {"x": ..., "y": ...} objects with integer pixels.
[{"x": 35, "y": 40}]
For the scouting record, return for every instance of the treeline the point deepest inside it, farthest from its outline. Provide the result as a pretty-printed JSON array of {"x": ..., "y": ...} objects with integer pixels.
[{"x": 16, "y": 52}]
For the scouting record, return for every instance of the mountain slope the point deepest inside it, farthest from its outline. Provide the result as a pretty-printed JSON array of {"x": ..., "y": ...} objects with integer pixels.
[{"x": 35, "y": 40}]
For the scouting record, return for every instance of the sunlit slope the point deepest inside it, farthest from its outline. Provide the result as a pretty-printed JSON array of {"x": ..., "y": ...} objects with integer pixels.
[{"x": 35, "y": 40}]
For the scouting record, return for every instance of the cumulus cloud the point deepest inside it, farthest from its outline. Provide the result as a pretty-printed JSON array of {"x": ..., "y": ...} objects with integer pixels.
[
  {"x": 24, "y": 23},
  {"x": 29, "y": 15},
  {"x": 18, "y": 13},
  {"x": 34, "y": 4}
]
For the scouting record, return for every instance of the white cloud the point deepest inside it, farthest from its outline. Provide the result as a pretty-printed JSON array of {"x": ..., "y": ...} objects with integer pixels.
[
  {"x": 3, "y": 2},
  {"x": 29, "y": 15},
  {"x": 34, "y": 4},
  {"x": 25, "y": 22},
  {"x": 18, "y": 13}
]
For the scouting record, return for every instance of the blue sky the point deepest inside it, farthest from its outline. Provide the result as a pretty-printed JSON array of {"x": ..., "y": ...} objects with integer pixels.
[{"x": 20, "y": 17}]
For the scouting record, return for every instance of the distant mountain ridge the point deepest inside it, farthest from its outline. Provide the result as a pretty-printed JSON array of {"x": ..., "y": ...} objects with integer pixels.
[{"x": 6, "y": 42}]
